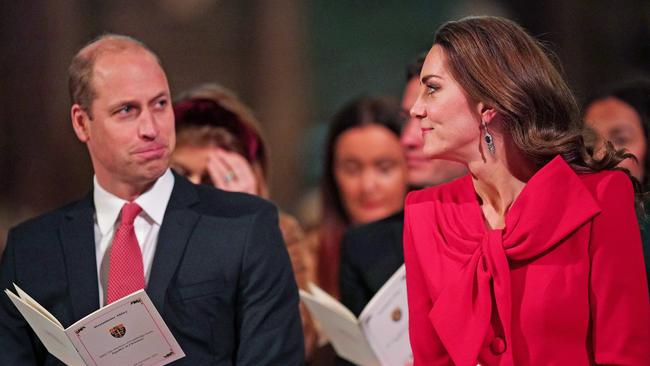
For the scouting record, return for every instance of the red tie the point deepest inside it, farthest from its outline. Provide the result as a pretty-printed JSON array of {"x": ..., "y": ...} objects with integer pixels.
[{"x": 125, "y": 270}]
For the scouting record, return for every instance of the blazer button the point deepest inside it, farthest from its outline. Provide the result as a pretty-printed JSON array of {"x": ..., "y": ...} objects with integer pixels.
[{"x": 498, "y": 345}]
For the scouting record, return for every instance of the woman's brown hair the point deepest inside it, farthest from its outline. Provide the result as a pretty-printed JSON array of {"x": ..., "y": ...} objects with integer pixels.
[
  {"x": 498, "y": 63},
  {"x": 210, "y": 114}
]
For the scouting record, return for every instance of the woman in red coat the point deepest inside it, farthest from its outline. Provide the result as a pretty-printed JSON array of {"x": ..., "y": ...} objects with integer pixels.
[{"x": 535, "y": 257}]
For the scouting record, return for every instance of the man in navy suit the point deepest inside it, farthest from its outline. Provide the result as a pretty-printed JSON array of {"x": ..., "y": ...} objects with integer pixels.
[{"x": 213, "y": 262}]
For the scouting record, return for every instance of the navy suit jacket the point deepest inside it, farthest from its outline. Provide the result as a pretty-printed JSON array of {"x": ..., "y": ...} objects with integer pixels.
[
  {"x": 220, "y": 278},
  {"x": 370, "y": 254}
]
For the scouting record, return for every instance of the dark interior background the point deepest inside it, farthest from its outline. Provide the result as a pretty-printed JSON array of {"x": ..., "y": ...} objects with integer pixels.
[{"x": 294, "y": 62}]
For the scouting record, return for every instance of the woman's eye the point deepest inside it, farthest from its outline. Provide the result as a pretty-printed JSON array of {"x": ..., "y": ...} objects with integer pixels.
[
  {"x": 619, "y": 139},
  {"x": 386, "y": 167},
  {"x": 349, "y": 167},
  {"x": 431, "y": 89}
]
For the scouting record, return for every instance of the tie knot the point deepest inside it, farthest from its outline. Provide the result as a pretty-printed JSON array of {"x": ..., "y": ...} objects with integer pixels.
[{"x": 129, "y": 212}]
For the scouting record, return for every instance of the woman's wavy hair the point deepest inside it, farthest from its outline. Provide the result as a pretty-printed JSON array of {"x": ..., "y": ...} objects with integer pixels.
[{"x": 498, "y": 63}]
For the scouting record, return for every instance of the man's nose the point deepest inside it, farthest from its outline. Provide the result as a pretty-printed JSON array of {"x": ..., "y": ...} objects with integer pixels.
[
  {"x": 148, "y": 127},
  {"x": 411, "y": 135}
]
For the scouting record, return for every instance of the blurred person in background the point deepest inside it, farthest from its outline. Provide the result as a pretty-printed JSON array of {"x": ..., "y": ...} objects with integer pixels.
[
  {"x": 364, "y": 180},
  {"x": 371, "y": 253},
  {"x": 219, "y": 142},
  {"x": 365, "y": 177},
  {"x": 621, "y": 115}
]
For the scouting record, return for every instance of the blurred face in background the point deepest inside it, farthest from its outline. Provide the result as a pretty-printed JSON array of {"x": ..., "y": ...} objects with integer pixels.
[
  {"x": 422, "y": 170},
  {"x": 617, "y": 122},
  {"x": 191, "y": 161},
  {"x": 370, "y": 172},
  {"x": 216, "y": 165}
]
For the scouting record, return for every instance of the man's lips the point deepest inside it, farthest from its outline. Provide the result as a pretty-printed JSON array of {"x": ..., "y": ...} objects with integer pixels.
[
  {"x": 416, "y": 156},
  {"x": 151, "y": 152}
]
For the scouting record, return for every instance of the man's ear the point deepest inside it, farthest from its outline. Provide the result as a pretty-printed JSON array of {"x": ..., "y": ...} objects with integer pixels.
[
  {"x": 80, "y": 120},
  {"x": 487, "y": 112}
]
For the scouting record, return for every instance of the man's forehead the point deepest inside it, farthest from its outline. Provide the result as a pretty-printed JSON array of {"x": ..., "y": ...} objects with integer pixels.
[
  {"x": 128, "y": 67},
  {"x": 109, "y": 59},
  {"x": 134, "y": 61}
]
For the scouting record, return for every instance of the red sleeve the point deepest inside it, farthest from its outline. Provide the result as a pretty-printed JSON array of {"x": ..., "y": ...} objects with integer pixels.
[
  {"x": 425, "y": 344},
  {"x": 618, "y": 287}
]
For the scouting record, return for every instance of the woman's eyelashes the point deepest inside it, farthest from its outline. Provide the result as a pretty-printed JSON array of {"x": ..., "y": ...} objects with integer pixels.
[{"x": 431, "y": 88}]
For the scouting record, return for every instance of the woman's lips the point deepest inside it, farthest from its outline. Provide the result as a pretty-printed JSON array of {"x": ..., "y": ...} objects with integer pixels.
[{"x": 371, "y": 205}]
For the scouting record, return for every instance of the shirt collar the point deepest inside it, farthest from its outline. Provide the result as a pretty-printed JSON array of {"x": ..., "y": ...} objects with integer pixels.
[{"x": 153, "y": 202}]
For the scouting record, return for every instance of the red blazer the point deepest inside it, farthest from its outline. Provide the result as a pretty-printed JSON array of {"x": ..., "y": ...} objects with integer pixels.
[{"x": 562, "y": 284}]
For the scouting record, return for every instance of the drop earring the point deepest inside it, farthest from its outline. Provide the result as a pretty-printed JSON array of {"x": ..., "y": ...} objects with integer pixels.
[{"x": 489, "y": 140}]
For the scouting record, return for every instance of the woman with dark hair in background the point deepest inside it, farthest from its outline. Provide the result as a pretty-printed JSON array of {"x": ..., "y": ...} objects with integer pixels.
[
  {"x": 534, "y": 258},
  {"x": 621, "y": 115},
  {"x": 219, "y": 142},
  {"x": 365, "y": 176}
]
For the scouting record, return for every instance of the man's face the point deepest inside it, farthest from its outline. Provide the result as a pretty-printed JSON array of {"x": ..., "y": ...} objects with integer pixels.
[
  {"x": 422, "y": 170},
  {"x": 131, "y": 135}
]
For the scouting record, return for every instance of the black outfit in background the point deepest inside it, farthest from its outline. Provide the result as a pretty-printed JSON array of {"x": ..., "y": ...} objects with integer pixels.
[{"x": 370, "y": 255}]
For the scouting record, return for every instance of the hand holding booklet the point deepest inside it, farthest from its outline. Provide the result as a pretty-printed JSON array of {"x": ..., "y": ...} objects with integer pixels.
[
  {"x": 129, "y": 331},
  {"x": 379, "y": 336}
]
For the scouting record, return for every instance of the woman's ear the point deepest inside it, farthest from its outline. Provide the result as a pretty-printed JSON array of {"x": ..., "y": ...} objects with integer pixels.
[{"x": 487, "y": 112}]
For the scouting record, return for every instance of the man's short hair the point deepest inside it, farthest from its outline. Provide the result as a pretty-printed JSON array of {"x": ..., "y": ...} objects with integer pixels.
[
  {"x": 80, "y": 72},
  {"x": 414, "y": 68}
]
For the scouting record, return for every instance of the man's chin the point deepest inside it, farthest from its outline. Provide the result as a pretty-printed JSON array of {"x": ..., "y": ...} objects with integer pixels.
[
  {"x": 420, "y": 178},
  {"x": 154, "y": 169}
]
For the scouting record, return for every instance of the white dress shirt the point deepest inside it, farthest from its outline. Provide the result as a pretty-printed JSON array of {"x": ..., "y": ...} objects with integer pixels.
[{"x": 147, "y": 224}]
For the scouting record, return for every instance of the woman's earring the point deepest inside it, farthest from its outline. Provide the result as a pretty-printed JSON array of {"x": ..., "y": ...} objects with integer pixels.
[{"x": 488, "y": 139}]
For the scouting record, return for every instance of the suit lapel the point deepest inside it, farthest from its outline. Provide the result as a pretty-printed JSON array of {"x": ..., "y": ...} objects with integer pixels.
[
  {"x": 78, "y": 241},
  {"x": 175, "y": 232}
]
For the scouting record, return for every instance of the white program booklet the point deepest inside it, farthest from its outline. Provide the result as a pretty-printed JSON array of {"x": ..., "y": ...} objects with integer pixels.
[
  {"x": 379, "y": 336},
  {"x": 128, "y": 332}
]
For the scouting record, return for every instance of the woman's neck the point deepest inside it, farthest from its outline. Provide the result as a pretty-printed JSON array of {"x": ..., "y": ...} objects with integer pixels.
[{"x": 498, "y": 180}]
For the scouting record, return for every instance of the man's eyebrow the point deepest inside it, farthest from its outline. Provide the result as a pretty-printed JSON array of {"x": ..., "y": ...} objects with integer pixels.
[
  {"x": 121, "y": 102},
  {"x": 159, "y": 95},
  {"x": 134, "y": 102}
]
